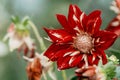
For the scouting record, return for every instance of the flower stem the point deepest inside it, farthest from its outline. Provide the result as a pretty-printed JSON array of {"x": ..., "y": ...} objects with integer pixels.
[
  {"x": 39, "y": 38},
  {"x": 64, "y": 75}
]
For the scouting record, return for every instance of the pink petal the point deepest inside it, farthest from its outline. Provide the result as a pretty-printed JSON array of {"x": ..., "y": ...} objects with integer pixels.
[
  {"x": 93, "y": 22},
  {"x": 11, "y": 28},
  {"x": 89, "y": 72},
  {"x": 104, "y": 39},
  {"x": 60, "y": 36}
]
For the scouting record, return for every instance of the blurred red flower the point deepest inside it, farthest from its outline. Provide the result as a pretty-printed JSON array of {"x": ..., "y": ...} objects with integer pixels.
[
  {"x": 114, "y": 25},
  {"x": 80, "y": 42}
]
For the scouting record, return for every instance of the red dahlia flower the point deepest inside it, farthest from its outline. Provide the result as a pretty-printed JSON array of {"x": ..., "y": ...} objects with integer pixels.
[{"x": 80, "y": 42}]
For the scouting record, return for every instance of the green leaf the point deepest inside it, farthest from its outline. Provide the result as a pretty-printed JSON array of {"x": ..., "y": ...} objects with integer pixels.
[
  {"x": 25, "y": 21},
  {"x": 15, "y": 19},
  {"x": 74, "y": 78},
  {"x": 109, "y": 69}
]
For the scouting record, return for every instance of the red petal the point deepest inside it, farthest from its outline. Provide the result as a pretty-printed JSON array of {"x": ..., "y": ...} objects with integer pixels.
[
  {"x": 71, "y": 20},
  {"x": 104, "y": 39},
  {"x": 96, "y": 60},
  {"x": 60, "y": 36},
  {"x": 81, "y": 16},
  {"x": 93, "y": 22},
  {"x": 104, "y": 58},
  {"x": 63, "y": 21},
  {"x": 81, "y": 63},
  {"x": 90, "y": 59},
  {"x": 74, "y": 10},
  {"x": 76, "y": 60},
  {"x": 63, "y": 52},
  {"x": 53, "y": 49},
  {"x": 63, "y": 63},
  {"x": 101, "y": 53},
  {"x": 75, "y": 17},
  {"x": 114, "y": 26}
]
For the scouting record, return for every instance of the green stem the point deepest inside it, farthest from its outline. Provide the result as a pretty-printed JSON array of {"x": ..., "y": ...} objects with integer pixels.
[
  {"x": 39, "y": 38},
  {"x": 64, "y": 75}
]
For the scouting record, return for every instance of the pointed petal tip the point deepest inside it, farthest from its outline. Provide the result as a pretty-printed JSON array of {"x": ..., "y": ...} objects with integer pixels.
[
  {"x": 70, "y": 5},
  {"x": 46, "y": 29},
  {"x": 60, "y": 17},
  {"x": 95, "y": 13}
]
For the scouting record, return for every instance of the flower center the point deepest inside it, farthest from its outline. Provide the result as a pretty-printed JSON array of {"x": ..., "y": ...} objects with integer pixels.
[{"x": 83, "y": 42}]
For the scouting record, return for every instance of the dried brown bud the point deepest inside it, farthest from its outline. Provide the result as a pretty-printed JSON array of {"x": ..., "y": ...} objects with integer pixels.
[{"x": 34, "y": 70}]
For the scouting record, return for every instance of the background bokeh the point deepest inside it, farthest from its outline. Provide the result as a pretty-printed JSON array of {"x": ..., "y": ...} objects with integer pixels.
[{"x": 42, "y": 13}]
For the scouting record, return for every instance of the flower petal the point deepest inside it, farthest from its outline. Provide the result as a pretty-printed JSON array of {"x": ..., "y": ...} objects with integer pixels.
[
  {"x": 53, "y": 51},
  {"x": 11, "y": 28},
  {"x": 76, "y": 17},
  {"x": 63, "y": 52},
  {"x": 63, "y": 63},
  {"x": 114, "y": 26},
  {"x": 96, "y": 60},
  {"x": 104, "y": 58},
  {"x": 99, "y": 54},
  {"x": 104, "y": 39},
  {"x": 74, "y": 10},
  {"x": 66, "y": 62},
  {"x": 59, "y": 36},
  {"x": 63, "y": 21},
  {"x": 90, "y": 59},
  {"x": 93, "y": 22},
  {"x": 28, "y": 41},
  {"x": 15, "y": 43},
  {"x": 81, "y": 63},
  {"x": 75, "y": 60}
]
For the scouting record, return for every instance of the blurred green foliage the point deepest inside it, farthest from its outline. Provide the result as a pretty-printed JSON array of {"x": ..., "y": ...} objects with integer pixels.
[{"x": 42, "y": 13}]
